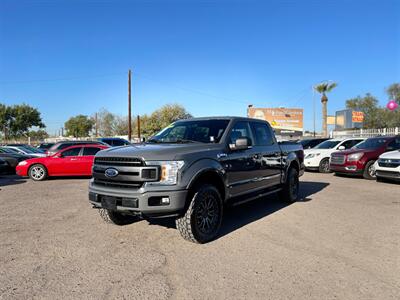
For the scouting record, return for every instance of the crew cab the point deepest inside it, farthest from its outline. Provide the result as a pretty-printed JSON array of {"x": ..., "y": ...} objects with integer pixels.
[
  {"x": 360, "y": 160},
  {"x": 388, "y": 166},
  {"x": 191, "y": 170},
  {"x": 72, "y": 161},
  {"x": 318, "y": 157}
]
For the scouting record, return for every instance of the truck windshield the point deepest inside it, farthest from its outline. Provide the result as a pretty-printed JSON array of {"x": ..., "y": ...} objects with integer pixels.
[
  {"x": 327, "y": 145},
  {"x": 373, "y": 143},
  {"x": 201, "y": 131}
]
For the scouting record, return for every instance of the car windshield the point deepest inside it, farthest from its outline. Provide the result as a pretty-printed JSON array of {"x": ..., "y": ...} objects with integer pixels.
[
  {"x": 201, "y": 131},
  {"x": 29, "y": 150},
  {"x": 373, "y": 143},
  {"x": 8, "y": 150},
  {"x": 327, "y": 145}
]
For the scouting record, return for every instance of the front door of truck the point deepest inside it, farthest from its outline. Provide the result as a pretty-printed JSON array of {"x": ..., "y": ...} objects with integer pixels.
[{"x": 240, "y": 165}]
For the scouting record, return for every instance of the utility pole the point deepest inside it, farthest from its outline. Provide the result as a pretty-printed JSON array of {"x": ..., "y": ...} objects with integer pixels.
[
  {"x": 129, "y": 107},
  {"x": 96, "y": 125},
  {"x": 62, "y": 131},
  {"x": 313, "y": 98},
  {"x": 138, "y": 127}
]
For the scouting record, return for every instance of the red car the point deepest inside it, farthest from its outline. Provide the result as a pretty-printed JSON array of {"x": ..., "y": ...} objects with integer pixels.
[
  {"x": 360, "y": 159},
  {"x": 72, "y": 161}
]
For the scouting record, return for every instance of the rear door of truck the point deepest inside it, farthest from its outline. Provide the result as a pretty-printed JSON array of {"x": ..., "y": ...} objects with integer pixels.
[{"x": 268, "y": 154}]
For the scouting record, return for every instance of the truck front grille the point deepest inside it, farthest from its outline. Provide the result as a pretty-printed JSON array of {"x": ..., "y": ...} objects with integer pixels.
[
  {"x": 130, "y": 172},
  {"x": 337, "y": 159}
]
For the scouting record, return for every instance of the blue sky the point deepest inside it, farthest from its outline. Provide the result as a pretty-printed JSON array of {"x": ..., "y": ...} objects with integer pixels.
[{"x": 214, "y": 57}]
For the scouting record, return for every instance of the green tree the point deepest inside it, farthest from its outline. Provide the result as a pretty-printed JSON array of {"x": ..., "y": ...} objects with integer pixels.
[
  {"x": 38, "y": 135},
  {"x": 16, "y": 120},
  {"x": 162, "y": 117},
  {"x": 369, "y": 106},
  {"x": 393, "y": 92},
  {"x": 79, "y": 126},
  {"x": 324, "y": 88}
]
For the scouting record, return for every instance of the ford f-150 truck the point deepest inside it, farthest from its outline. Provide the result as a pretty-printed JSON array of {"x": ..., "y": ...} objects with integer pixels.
[{"x": 191, "y": 170}]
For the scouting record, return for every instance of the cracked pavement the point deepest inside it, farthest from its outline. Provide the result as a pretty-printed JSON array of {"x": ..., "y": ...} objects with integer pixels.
[{"x": 341, "y": 241}]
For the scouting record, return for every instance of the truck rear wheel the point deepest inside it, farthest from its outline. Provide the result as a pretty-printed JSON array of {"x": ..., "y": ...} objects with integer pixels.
[
  {"x": 116, "y": 218},
  {"x": 290, "y": 190},
  {"x": 202, "y": 220}
]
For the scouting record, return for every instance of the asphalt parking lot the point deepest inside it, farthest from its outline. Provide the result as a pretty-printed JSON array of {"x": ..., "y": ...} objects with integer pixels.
[{"x": 341, "y": 241}]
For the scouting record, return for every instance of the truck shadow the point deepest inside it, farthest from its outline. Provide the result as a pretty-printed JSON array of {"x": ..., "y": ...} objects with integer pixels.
[
  {"x": 10, "y": 180},
  {"x": 241, "y": 215}
]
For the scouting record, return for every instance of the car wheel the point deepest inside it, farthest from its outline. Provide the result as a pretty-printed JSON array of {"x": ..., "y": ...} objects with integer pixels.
[
  {"x": 117, "y": 218},
  {"x": 37, "y": 172},
  {"x": 202, "y": 220},
  {"x": 290, "y": 190},
  {"x": 324, "y": 166},
  {"x": 369, "y": 170}
]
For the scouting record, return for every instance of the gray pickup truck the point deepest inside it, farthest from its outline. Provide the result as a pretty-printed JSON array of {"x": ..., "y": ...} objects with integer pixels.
[{"x": 191, "y": 170}]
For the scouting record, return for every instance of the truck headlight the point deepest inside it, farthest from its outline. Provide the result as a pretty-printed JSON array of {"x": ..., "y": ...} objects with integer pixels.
[
  {"x": 169, "y": 170},
  {"x": 311, "y": 155},
  {"x": 355, "y": 156}
]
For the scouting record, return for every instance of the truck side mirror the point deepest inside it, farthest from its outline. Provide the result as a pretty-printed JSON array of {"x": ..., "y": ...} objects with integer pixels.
[{"x": 240, "y": 144}]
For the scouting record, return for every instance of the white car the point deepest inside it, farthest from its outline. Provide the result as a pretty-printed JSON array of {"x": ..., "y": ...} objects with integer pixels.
[
  {"x": 318, "y": 157},
  {"x": 388, "y": 166},
  {"x": 26, "y": 151}
]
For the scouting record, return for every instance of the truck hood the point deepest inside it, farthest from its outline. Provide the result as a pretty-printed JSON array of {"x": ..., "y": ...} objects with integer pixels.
[
  {"x": 161, "y": 151},
  {"x": 391, "y": 155}
]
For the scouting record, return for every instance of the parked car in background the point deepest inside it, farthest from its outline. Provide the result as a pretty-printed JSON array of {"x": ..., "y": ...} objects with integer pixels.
[
  {"x": 12, "y": 158},
  {"x": 361, "y": 159},
  {"x": 318, "y": 157},
  {"x": 191, "y": 170},
  {"x": 114, "y": 142},
  {"x": 388, "y": 166},
  {"x": 74, "y": 160},
  {"x": 311, "y": 143},
  {"x": 26, "y": 151},
  {"x": 26, "y": 146},
  {"x": 45, "y": 146},
  {"x": 64, "y": 144},
  {"x": 4, "y": 167}
]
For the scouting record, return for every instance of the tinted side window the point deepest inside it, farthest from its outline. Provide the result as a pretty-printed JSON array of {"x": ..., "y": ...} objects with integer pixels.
[
  {"x": 118, "y": 143},
  {"x": 394, "y": 145},
  {"x": 71, "y": 152},
  {"x": 240, "y": 130},
  {"x": 350, "y": 143},
  {"x": 90, "y": 151},
  {"x": 262, "y": 134}
]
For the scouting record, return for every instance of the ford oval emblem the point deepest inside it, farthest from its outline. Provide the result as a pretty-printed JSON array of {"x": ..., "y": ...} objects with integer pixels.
[{"x": 111, "y": 172}]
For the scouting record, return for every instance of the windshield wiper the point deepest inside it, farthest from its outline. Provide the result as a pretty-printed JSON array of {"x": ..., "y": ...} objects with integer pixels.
[{"x": 184, "y": 141}]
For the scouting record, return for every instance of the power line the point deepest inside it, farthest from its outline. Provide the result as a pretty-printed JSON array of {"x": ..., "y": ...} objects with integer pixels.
[{"x": 63, "y": 79}]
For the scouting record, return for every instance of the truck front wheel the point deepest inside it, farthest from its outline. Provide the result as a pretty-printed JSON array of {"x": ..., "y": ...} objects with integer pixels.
[
  {"x": 116, "y": 218},
  {"x": 202, "y": 220}
]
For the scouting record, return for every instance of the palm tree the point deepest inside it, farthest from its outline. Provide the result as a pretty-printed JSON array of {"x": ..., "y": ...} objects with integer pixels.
[{"x": 323, "y": 88}]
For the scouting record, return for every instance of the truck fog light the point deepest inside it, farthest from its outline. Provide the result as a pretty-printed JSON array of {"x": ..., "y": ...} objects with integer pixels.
[{"x": 165, "y": 200}]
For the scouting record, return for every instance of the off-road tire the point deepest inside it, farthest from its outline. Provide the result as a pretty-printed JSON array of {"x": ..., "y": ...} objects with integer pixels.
[
  {"x": 290, "y": 189},
  {"x": 37, "y": 172},
  {"x": 324, "y": 166},
  {"x": 188, "y": 225},
  {"x": 116, "y": 218},
  {"x": 367, "y": 170}
]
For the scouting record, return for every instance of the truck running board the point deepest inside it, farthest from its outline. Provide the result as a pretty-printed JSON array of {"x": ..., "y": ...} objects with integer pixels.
[{"x": 253, "y": 196}]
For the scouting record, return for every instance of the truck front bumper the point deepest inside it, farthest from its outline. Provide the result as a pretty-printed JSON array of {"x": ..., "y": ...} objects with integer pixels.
[{"x": 151, "y": 204}]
